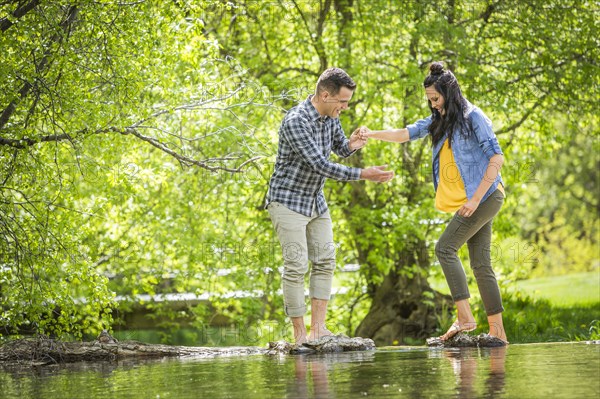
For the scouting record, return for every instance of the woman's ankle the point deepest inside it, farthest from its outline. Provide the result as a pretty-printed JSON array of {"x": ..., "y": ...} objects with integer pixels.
[{"x": 497, "y": 327}]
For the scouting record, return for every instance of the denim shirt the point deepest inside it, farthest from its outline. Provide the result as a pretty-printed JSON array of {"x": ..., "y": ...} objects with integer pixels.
[{"x": 472, "y": 153}]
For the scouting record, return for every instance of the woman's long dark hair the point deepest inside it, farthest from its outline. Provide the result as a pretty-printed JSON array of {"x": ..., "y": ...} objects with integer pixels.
[{"x": 455, "y": 104}]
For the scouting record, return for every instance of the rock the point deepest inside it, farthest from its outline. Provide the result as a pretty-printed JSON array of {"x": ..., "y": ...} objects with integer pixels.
[
  {"x": 328, "y": 344},
  {"x": 462, "y": 340},
  {"x": 280, "y": 347},
  {"x": 287, "y": 348},
  {"x": 106, "y": 338},
  {"x": 340, "y": 343}
]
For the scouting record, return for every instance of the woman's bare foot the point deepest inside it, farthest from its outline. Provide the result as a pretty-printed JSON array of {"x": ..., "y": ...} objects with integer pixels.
[
  {"x": 497, "y": 327},
  {"x": 465, "y": 321},
  {"x": 458, "y": 327},
  {"x": 501, "y": 337}
]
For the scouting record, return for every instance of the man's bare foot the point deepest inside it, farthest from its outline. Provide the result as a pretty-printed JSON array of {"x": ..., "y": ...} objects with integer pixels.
[
  {"x": 457, "y": 327},
  {"x": 300, "y": 340},
  {"x": 319, "y": 333},
  {"x": 299, "y": 330}
]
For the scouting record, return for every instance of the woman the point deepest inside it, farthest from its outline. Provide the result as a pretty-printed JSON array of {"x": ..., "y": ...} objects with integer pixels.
[{"x": 466, "y": 168}]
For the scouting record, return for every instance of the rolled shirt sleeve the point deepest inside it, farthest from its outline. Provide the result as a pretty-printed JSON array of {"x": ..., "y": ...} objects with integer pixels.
[
  {"x": 419, "y": 129},
  {"x": 482, "y": 128}
]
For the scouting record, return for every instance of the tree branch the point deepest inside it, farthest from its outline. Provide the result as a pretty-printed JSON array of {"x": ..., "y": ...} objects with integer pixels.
[
  {"x": 6, "y": 23},
  {"x": 523, "y": 118},
  {"x": 40, "y": 67},
  {"x": 485, "y": 15},
  {"x": 186, "y": 160},
  {"x": 316, "y": 39}
]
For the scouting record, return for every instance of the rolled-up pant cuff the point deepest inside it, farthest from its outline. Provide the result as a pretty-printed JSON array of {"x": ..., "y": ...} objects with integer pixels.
[
  {"x": 321, "y": 291},
  {"x": 494, "y": 311},
  {"x": 295, "y": 311},
  {"x": 460, "y": 297}
]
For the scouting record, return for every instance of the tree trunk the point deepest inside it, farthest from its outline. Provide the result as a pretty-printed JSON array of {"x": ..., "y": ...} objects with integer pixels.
[
  {"x": 398, "y": 311},
  {"x": 403, "y": 307}
]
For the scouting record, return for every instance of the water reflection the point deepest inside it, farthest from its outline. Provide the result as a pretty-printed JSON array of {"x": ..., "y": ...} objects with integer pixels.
[
  {"x": 556, "y": 370},
  {"x": 316, "y": 372},
  {"x": 312, "y": 373},
  {"x": 465, "y": 362},
  {"x": 477, "y": 373}
]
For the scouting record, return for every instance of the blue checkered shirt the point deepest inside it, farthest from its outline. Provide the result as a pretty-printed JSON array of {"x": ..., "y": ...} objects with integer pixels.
[{"x": 305, "y": 143}]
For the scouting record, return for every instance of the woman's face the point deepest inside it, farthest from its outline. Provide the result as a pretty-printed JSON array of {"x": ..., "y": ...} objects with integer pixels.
[{"x": 435, "y": 98}]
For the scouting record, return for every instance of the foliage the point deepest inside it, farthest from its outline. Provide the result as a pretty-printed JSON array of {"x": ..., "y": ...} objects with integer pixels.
[{"x": 84, "y": 86}]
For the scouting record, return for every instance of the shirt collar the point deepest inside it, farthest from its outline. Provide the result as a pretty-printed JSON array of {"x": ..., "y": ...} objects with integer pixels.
[{"x": 312, "y": 111}]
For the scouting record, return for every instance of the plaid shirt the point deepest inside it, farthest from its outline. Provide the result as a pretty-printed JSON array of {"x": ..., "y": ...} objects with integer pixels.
[{"x": 305, "y": 144}]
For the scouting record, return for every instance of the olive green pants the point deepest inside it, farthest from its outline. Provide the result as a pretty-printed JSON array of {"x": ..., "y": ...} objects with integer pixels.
[
  {"x": 304, "y": 238},
  {"x": 476, "y": 231}
]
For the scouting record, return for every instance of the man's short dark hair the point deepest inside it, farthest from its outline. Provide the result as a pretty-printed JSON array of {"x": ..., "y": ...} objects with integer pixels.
[{"x": 333, "y": 79}]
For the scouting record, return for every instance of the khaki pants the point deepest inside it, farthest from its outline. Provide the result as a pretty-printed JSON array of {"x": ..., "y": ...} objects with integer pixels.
[{"x": 302, "y": 239}]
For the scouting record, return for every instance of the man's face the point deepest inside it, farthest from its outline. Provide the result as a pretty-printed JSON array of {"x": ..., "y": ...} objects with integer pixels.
[{"x": 334, "y": 105}]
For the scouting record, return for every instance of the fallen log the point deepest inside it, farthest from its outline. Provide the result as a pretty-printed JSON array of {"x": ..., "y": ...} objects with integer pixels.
[{"x": 42, "y": 351}]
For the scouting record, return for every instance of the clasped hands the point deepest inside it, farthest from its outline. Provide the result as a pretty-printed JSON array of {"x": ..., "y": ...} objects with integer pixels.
[
  {"x": 359, "y": 137},
  {"x": 358, "y": 140}
]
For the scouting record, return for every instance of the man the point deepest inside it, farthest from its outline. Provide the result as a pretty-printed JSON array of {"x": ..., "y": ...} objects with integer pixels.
[{"x": 296, "y": 204}]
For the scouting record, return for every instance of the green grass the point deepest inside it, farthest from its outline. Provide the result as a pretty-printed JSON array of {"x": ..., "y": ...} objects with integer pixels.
[
  {"x": 528, "y": 320},
  {"x": 554, "y": 308},
  {"x": 566, "y": 290}
]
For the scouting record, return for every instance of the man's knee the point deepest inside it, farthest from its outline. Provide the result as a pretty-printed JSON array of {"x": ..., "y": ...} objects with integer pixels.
[
  {"x": 295, "y": 272},
  {"x": 323, "y": 254},
  {"x": 324, "y": 268}
]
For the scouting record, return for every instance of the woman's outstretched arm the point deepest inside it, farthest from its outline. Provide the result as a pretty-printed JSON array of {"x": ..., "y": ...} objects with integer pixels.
[{"x": 391, "y": 135}]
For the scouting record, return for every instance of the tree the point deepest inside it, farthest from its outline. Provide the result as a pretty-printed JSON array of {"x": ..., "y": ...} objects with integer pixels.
[{"x": 80, "y": 83}]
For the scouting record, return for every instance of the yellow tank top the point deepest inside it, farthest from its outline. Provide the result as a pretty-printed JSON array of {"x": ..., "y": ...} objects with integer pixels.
[{"x": 451, "y": 193}]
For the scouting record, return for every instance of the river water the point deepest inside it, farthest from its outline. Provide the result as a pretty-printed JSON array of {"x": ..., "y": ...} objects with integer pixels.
[{"x": 559, "y": 370}]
